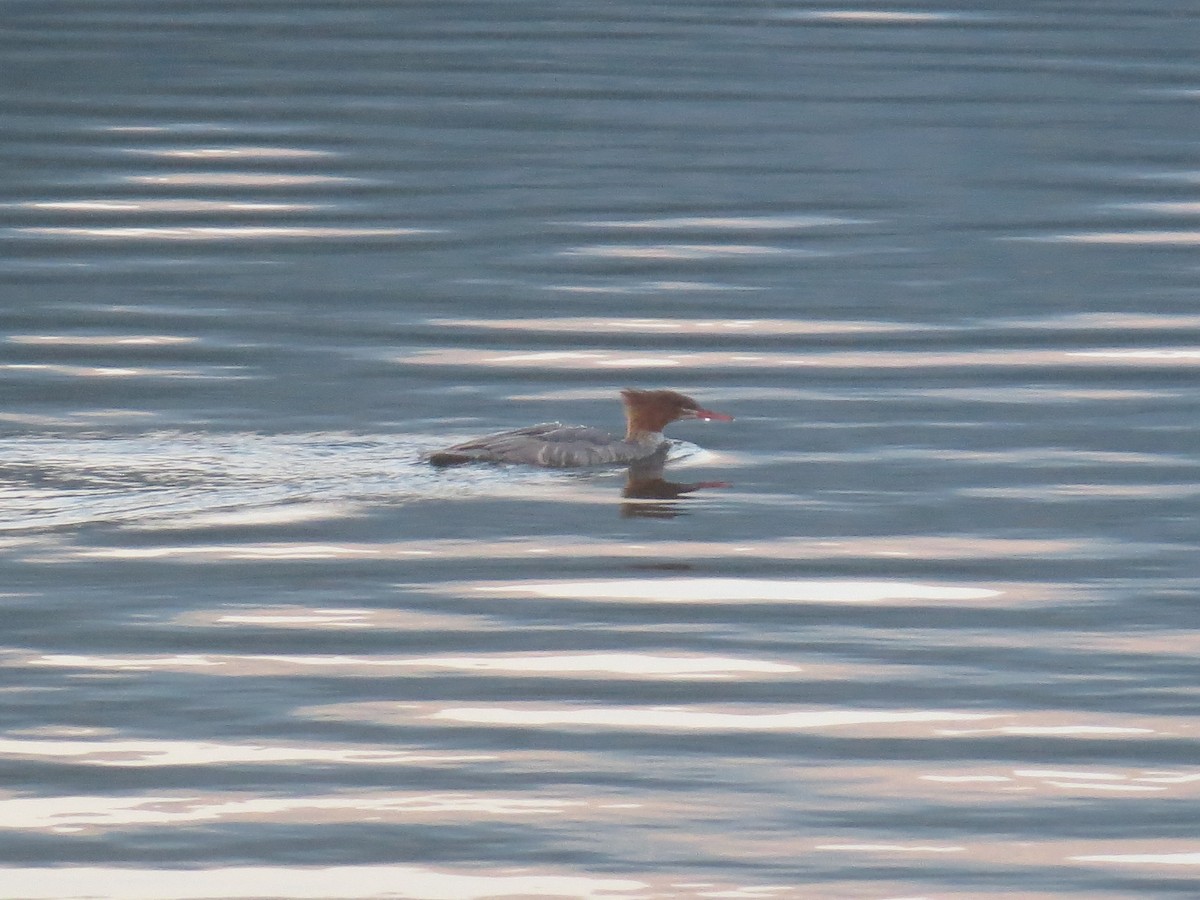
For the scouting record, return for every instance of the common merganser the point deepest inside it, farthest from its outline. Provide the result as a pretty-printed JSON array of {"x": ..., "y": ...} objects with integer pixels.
[{"x": 647, "y": 413}]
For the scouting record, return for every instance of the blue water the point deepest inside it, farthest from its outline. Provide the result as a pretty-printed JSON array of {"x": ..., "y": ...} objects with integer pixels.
[{"x": 920, "y": 622}]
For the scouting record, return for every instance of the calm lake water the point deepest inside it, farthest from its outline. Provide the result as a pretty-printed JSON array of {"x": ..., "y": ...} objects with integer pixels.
[{"x": 921, "y": 622}]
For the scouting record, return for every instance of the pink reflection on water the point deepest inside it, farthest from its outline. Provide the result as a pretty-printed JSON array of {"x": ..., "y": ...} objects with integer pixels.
[
  {"x": 310, "y": 883},
  {"x": 704, "y": 327},
  {"x": 655, "y": 666},
  {"x": 864, "y": 360},
  {"x": 107, "y": 751},
  {"x": 198, "y": 233},
  {"x": 938, "y": 547}
]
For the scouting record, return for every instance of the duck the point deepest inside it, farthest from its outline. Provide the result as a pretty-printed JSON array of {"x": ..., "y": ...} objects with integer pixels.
[{"x": 555, "y": 445}]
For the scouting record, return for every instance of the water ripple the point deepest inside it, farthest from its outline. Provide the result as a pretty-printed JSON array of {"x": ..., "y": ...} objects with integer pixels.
[{"x": 214, "y": 232}]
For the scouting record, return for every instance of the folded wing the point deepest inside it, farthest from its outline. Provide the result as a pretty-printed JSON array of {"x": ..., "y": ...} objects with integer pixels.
[{"x": 547, "y": 444}]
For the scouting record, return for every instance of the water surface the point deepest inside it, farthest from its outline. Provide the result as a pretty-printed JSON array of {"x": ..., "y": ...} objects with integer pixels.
[{"x": 920, "y": 622}]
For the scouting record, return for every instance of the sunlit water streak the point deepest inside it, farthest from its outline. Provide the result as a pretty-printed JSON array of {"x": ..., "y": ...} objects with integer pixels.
[
  {"x": 1055, "y": 360},
  {"x": 303, "y": 882},
  {"x": 214, "y": 232}
]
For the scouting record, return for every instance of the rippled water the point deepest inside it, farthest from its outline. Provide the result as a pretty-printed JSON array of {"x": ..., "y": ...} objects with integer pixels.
[{"x": 921, "y": 622}]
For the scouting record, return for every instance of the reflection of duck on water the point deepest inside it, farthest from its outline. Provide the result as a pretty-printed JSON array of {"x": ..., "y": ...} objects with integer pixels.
[
  {"x": 647, "y": 413},
  {"x": 645, "y": 481}
]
